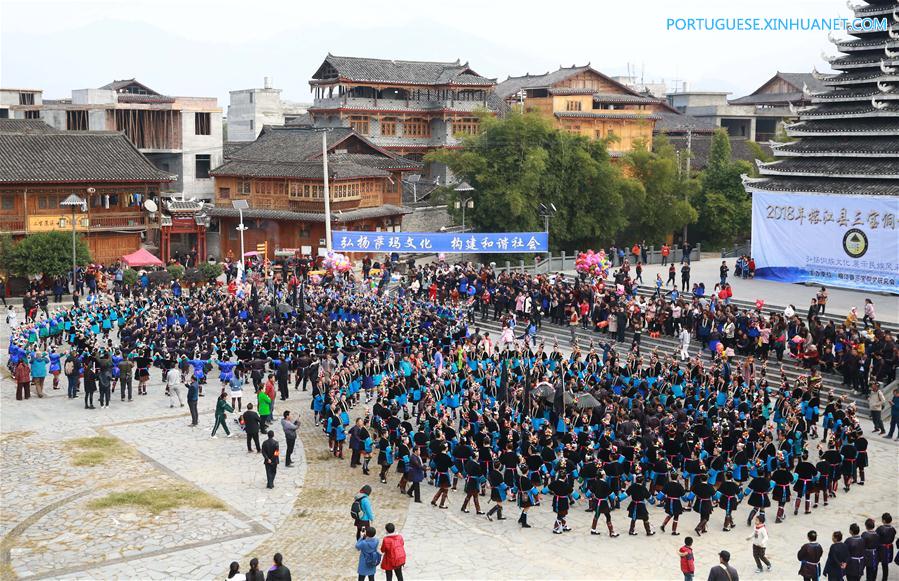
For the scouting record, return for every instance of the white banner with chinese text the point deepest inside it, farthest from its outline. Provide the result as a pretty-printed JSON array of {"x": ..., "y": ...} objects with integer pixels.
[{"x": 840, "y": 241}]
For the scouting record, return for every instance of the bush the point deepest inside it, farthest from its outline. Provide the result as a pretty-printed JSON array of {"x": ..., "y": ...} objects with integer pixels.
[
  {"x": 211, "y": 270},
  {"x": 46, "y": 253},
  {"x": 176, "y": 271},
  {"x": 160, "y": 278},
  {"x": 130, "y": 277}
]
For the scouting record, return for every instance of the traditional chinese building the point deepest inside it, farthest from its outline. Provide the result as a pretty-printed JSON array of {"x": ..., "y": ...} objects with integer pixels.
[
  {"x": 584, "y": 101},
  {"x": 41, "y": 166},
  {"x": 825, "y": 210},
  {"x": 179, "y": 135},
  {"x": 280, "y": 176},
  {"x": 407, "y": 107}
]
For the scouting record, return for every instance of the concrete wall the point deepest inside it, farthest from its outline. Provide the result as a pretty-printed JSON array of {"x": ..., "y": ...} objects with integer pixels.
[
  {"x": 251, "y": 109},
  {"x": 94, "y": 97},
  {"x": 10, "y": 97},
  {"x": 193, "y": 145}
]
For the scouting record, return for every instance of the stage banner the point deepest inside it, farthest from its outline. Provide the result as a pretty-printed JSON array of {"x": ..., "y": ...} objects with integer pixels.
[
  {"x": 840, "y": 241},
  {"x": 470, "y": 242}
]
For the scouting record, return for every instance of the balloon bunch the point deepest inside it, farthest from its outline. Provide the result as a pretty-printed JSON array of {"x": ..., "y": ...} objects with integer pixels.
[
  {"x": 593, "y": 263},
  {"x": 336, "y": 262}
]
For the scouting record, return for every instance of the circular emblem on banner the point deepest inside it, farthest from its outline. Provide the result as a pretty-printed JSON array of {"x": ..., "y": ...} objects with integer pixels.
[{"x": 855, "y": 243}]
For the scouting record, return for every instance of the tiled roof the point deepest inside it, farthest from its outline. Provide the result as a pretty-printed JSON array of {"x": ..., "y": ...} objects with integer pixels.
[
  {"x": 400, "y": 72},
  {"x": 285, "y": 152},
  {"x": 27, "y": 126},
  {"x": 700, "y": 144},
  {"x": 609, "y": 115},
  {"x": 796, "y": 80},
  {"x": 841, "y": 146},
  {"x": 846, "y": 187},
  {"x": 621, "y": 98},
  {"x": 844, "y": 127},
  {"x": 232, "y": 147},
  {"x": 349, "y": 216},
  {"x": 848, "y": 139},
  {"x": 833, "y": 167},
  {"x": 119, "y": 85},
  {"x": 514, "y": 84},
  {"x": 670, "y": 122},
  {"x": 74, "y": 157},
  {"x": 770, "y": 98},
  {"x": 137, "y": 98},
  {"x": 800, "y": 79}
]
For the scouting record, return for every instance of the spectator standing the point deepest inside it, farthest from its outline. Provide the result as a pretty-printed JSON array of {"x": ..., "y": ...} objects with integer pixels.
[
  {"x": 869, "y": 316},
  {"x": 39, "y": 363},
  {"x": 876, "y": 402},
  {"x": 254, "y": 574},
  {"x": 270, "y": 456},
  {"x": 278, "y": 572},
  {"x": 394, "y": 553},
  {"x": 666, "y": 250},
  {"x": 369, "y": 557},
  {"x": 687, "y": 562},
  {"x": 809, "y": 557},
  {"x": 289, "y": 425},
  {"x": 361, "y": 511},
  {"x": 251, "y": 424},
  {"x": 894, "y": 414},
  {"x": 193, "y": 395},
  {"x": 415, "y": 473},
  {"x": 723, "y": 271},
  {"x": 723, "y": 571}
]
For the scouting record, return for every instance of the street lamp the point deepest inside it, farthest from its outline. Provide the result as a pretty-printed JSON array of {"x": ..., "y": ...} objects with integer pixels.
[
  {"x": 240, "y": 206},
  {"x": 74, "y": 201},
  {"x": 547, "y": 212},
  {"x": 462, "y": 188}
]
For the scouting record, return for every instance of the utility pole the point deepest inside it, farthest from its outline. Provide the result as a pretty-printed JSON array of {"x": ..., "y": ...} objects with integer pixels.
[
  {"x": 327, "y": 193},
  {"x": 689, "y": 156}
]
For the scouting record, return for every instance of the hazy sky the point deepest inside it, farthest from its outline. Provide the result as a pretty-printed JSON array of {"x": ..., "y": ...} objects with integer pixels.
[{"x": 208, "y": 47}]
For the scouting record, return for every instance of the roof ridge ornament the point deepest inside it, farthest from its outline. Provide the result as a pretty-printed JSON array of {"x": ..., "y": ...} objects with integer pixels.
[
  {"x": 893, "y": 34},
  {"x": 828, "y": 58},
  {"x": 750, "y": 180},
  {"x": 884, "y": 87},
  {"x": 877, "y": 104},
  {"x": 820, "y": 76},
  {"x": 889, "y": 53},
  {"x": 896, "y": 13},
  {"x": 887, "y": 69},
  {"x": 852, "y": 6}
]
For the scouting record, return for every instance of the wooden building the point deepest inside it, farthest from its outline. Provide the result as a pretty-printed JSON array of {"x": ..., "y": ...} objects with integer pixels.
[
  {"x": 584, "y": 101},
  {"x": 40, "y": 167},
  {"x": 407, "y": 107},
  {"x": 280, "y": 175}
]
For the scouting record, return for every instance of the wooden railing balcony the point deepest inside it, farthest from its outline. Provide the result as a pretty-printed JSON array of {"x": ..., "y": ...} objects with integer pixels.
[
  {"x": 12, "y": 224},
  {"x": 122, "y": 221}
]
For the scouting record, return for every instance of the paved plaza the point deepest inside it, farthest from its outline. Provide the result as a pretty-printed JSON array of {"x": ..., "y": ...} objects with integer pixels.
[{"x": 52, "y": 529}]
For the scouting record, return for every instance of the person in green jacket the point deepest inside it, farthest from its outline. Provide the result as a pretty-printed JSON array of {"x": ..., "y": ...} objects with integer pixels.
[
  {"x": 222, "y": 407},
  {"x": 265, "y": 408}
]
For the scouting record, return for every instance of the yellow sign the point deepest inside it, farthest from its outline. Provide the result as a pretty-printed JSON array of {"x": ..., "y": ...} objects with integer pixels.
[{"x": 44, "y": 223}]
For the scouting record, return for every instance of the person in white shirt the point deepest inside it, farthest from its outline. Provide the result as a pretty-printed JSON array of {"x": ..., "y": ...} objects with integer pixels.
[
  {"x": 12, "y": 317},
  {"x": 684, "y": 343},
  {"x": 759, "y": 540},
  {"x": 173, "y": 382}
]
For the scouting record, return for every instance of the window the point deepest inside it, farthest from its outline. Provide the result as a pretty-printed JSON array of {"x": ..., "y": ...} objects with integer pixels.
[
  {"x": 359, "y": 123},
  {"x": 26, "y": 98},
  {"x": 251, "y": 97},
  {"x": 243, "y": 187},
  {"x": 4, "y": 113},
  {"x": 224, "y": 193},
  {"x": 8, "y": 203},
  {"x": 32, "y": 114},
  {"x": 202, "y": 165},
  {"x": 417, "y": 128},
  {"x": 388, "y": 126},
  {"x": 76, "y": 121},
  {"x": 466, "y": 125},
  {"x": 48, "y": 202},
  {"x": 252, "y": 125},
  {"x": 572, "y": 105},
  {"x": 202, "y": 123},
  {"x": 597, "y": 134}
]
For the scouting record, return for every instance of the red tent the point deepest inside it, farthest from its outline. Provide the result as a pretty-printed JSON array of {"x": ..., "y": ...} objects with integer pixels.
[{"x": 141, "y": 258}]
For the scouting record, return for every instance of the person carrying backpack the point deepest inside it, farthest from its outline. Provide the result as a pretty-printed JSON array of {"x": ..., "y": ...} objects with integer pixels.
[
  {"x": 361, "y": 511},
  {"x": 369, "y": 557}
]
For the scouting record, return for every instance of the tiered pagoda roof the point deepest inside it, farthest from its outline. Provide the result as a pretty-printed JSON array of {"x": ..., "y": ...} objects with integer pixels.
[{"x": 848, "y": 137}]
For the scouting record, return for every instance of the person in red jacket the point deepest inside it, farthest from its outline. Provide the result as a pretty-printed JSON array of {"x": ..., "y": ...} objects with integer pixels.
[
  {"x": 687, "y": 564},
  {"x": 394, "y": 553},
  {"x": 23, "y": 380}
]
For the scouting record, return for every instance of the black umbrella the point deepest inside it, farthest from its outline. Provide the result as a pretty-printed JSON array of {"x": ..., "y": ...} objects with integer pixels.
[
  {"x": 586, "y": 401},
  {"x": 544, "y": 391},
  {"x": 284, "y": 308}
]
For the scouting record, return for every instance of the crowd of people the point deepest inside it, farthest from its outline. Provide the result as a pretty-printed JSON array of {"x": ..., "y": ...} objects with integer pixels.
[{"x": 406, "y": 379}]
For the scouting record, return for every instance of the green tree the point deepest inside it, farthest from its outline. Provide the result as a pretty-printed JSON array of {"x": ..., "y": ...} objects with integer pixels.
[
  {"x": 46, "y": 253},
  {"x": 176, "y": 271},
  {"x": 725, "y": 209},
  {"x": 519, "y": 162},
  {"x": 658, "y": 196}
]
